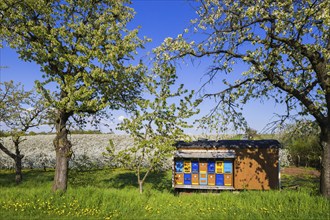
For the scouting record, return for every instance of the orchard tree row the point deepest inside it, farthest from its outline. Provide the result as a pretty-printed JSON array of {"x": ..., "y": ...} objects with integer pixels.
[{"x": 86, "y": 49}]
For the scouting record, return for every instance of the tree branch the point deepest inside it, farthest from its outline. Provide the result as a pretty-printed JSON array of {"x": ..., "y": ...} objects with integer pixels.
[{"x": 6, "y": 151}]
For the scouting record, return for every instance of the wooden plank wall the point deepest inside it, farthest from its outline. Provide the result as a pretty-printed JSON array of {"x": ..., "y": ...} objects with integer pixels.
[{"x": 255, "y": 168}]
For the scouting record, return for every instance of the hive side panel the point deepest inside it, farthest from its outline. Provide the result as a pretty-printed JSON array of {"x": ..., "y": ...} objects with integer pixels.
[{"x": 256, "y": 168}]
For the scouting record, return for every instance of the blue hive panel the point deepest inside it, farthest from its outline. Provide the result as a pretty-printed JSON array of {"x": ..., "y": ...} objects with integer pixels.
[
  {"x": 219, "y": 181},
  {"x": 211, "y": 167},
  {"x": 187, "y": 179},
  {"x": 179, "y": 166},
  {"x": 228, "y": 166},
  {"x": 194, "y": 166}
]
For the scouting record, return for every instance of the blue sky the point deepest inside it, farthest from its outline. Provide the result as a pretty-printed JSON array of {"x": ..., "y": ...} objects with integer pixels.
[{"x": 158, "y": 20}]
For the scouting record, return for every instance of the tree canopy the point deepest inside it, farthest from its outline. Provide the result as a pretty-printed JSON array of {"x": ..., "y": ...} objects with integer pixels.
[
  {"x": 286, "y": 46},
  {"x": 20, "y": 111},
  {"x": 85, "y": 49},
  {"x": 156, "y": 124},
  {"x": 82, "y": 46}
]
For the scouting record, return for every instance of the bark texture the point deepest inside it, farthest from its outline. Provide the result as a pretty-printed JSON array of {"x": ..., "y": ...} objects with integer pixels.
[
  {"x": 63, "y": 153},
  {"x": 18, "y": 164},
  {"x": 18, "y": 161},
  {"x": 140, "y": 187},
  {"x": 325, "y": 169}
]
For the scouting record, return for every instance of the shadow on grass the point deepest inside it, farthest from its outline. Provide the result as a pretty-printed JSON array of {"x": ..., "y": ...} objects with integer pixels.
[
  {"x": 160, "y": 181},
  {"x": 7, "y": 179},
  {"x": 302, "y": 180},
  {"x": 103, "y": 178},
  {"x": 30, "y": 178},
  {"x": 297, "y": 182},
  {"x": 118, "y": 179}
]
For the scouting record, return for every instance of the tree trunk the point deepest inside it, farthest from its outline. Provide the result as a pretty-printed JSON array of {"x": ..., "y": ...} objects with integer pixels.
[
  {"x": 325, "y": 166},
  {"x": 141, "y": 186},
  {"x": 18, "y": 164},
  {"x": 18, "y": 161},
  {"x": 144, "y": 178},
  {"x": 298, "y": 160},
  {"x": 63, "y": 153},
  {"x": 140, "y": 182}
]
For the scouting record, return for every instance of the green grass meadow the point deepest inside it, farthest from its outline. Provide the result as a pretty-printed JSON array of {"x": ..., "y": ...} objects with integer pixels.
[{"x": 113, "y": 194}]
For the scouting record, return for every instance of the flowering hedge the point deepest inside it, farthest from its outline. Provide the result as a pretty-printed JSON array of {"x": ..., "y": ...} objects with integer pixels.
[{"x": 87, "y": 151}]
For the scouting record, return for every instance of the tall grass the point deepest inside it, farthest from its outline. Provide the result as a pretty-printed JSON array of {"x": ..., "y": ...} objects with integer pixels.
[{"x": 113, "y": 194}]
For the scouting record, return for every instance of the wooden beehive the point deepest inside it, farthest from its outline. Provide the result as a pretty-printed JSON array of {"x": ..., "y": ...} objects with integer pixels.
[{"x": 227, "y": 164}]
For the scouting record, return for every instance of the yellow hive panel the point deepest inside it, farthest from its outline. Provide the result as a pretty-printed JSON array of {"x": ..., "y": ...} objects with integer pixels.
[
  {"x": 219, "y": 166},
  {"x": 187, "y": 166}
]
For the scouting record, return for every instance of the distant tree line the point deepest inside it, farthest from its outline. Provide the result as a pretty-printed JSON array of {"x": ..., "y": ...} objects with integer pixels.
[{"x": 302, "y": 141}]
